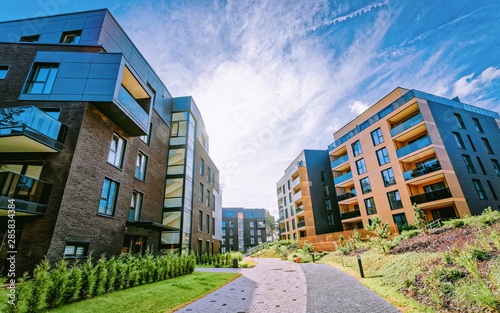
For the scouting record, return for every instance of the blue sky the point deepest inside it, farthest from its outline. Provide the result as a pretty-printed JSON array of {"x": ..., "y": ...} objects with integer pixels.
[{"x": 274, "y": 77}]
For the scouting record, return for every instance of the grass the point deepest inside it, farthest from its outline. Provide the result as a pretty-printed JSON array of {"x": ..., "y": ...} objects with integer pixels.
[
  {"x": 386, "y": 274},
  {"x": 158, "y": 297}
]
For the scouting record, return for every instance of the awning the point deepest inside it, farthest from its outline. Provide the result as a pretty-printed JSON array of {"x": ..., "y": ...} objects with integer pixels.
[{"x": 150, "y": 225}]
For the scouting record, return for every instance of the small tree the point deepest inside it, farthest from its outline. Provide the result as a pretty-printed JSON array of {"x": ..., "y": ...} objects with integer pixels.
[
  {"x": 420, "y": 218},
  {"x": 308, "y": 248},
  {"x": 381, "y": 231}
]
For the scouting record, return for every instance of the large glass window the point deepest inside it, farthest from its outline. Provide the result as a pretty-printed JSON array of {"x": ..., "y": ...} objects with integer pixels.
[
  {"x": 135, "y": 206},
  {"x": 176, "y": 161},
  {"x": 116, "y": 151},
  {"x": 252, "y": 232},
  {"x": 173, "y": 192},
  {"x": 287, "y": 226},
  {"x": 370, "y": 206},
  {"x": 394, "y": 200},
  {"x": 487, "y": 146},
  {"x": 208, "y": 224},
  {"x": 377, "y": 136},
  {"x": 3, "y": 71},
  {"x": 479, "y": 128},
  {"x": 213, "y": 203},
  {"x": 326, "y": 191},
  {"x": 109, "y": 194},
  {"x": 252, "y": 224},
  {"x": 468, "y": 164},
  {"x": 76, "y": 249},
  {"x": 202, "y": 167},
  {"x": 331, "y": 221},
  {"x": 147, "y": 138},
  {"x": 356, "y": 148},
  {"x": 209, "y": 173},
  {"x": 201, "y": 192},
  {"x": 460, "y": 142},
  {"x": 42, "y": 78},
  {"x": 459, "y": 121},
  {"x": 360, "y": 165},
  {"x": 496, "y": 166},
  {"x": 400, "y": 219},
  {"x": 200, "y": 220},
  {"x": 388, "y": 177},
  {"x": 365, "y": 185},
  {"x": 172, "y": 219},
  {"x": 72, "y": 37},
  {"x": 213, "y": 226},
  {"x": 382, "y": 156},
  {"x": 328, "y": 204},
  {"x": 293, "y": 224},
  {"x": 141, "y": 166},
  {"x": 479, "y": 189},
  {"x": 208, "y": 197}
]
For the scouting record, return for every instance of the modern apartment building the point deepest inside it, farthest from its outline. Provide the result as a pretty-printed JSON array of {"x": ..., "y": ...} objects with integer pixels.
[
  {"x": 243, "y": 228},
  {"x": 306, "y": 197},
  {"x": 413, "y": 147},
  {"x": 94, "y": 150}
]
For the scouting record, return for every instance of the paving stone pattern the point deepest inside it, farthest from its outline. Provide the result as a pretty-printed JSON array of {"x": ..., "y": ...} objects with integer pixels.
[
  {"x": 331, "y": 290},
  {"x": 272, "y": 286}
]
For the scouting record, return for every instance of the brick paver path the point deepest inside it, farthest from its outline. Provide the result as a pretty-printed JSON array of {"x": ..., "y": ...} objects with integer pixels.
[
  {"x": 331, "y": 290},
  {"x": 272, "y": 286}
]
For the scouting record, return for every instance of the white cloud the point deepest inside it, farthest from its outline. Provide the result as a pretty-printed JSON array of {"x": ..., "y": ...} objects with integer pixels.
[
  {"x": 358, "y": 107},
  {"x": 467, "y": 85}
]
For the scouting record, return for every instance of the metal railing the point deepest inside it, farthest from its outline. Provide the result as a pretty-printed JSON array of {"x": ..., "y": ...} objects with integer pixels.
[
  {"x": 431, "y": 196},
  {"x": 350, "y": 214},
  {"x": 301, "y": 224},
  {"x": 340, "y": 161},
  {"x": 31, "y": 195},
  {"x": 419, "y": 144},
  {"x": 414, "y": 120},
  {"x": 345, "y": 196},
  {"x": 342, "y": 178},
  {"x": 423, "y": 169}
]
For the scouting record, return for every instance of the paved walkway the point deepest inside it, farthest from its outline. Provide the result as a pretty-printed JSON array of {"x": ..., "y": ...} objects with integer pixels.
[
  {"x": 331, "y": 290},
  {"x": 284, "y": 287},
  {"x": 272, "y": 286}
]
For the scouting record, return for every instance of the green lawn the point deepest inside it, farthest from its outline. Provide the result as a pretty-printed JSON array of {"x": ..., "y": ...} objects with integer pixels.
[{"x": 158, "y": 297}]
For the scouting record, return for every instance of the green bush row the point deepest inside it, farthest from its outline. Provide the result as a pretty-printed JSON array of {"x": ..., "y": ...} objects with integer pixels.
[
  {"x": 50, "y": 288},
  {"x": 221, "y": 259}
]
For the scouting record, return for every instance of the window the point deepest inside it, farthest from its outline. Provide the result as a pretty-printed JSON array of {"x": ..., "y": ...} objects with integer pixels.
[
  {"x": 382, "y": 156},
  {"x": 394, "y": 200},
  {"x": 487, "y": 146},
  {"x": 365, "y": 185},
  {"x": 116, "y": 151},
  {"x": 147, "y": 138},
  {"x": 229, "y": 213},
  {"x": 252, "y": 232},
  {"x": 135, "y": 206},
  {"x": 377, "y": 136},
  {"x": 328, "y": 204},
  {"x": 388, "y": 177},
  {"x": 294, "y": 236},
  {"x": 370, "y": 206},
  {"x": 289, "y": 185},
  {"x": 326, "y": 192},
  {"x": 330, "y": 219},
  {"x": 202, "y": 167},
  {"x": 252, "y": 241},
  {"x": 360, "y": 165},
  {"x": 201, "y": 192},
  {"x": 400, "y": 219},
  {"x": 433, "y": 187},
  {"x": 209, "y": 173},
  {"x": 259, "y": 232},
  {"x": 479, "y": 128},
  {"x": 208, "y": 224},
  {"x": 356, "y": 148},
  {"x": 286, "y": 213},
  {"x": 284, "y": 200},
  {"x": 287, "y": 226},
  {"x": 141, "y": 166},
  {"x": 471, "y": 143},
  {"x": 208, "y": 197},
  {"x": 291, "y": 210},
  {"x": 179, "y": 129},
  {"x": 460, "y": 142},
  {"x": 293, "y": 224},
  {"x": 231, "y": 232},
  {"x": 468, "y": 164},
  {"x": 200, "y": 220},
  {"x": 459, "y": 120},
  {"x": 231, "y": 241},
  {"x": 481, "y": 165},
  {"x": 223, "y": 232},
  {"x": 252, "y": 224},
  {"x": 323, "y": 176},
  {"x": 213, "y": 203},
  {"x": 251, "y": 214},
  {"x": 108, "y": 197},
  {"x": 231, "y": 224},
  {"x": 496, "y": 166},
  {"x": 492, "y": 190},
  {"x": 42, "y": 79},
  {"x": 479, "y": 189},
  {"x": 72, "y": 37},
  {"x": 3, "y": 71},
  {"x": 33, "y": 38},
  {"x": 261, "y": 223},
  {"x": 223, "y": 223},
  {"x": 76, "y": 249}
]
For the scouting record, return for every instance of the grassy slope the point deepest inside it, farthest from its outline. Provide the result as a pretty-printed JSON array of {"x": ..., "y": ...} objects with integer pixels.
[{"x": 158, "y": 297}]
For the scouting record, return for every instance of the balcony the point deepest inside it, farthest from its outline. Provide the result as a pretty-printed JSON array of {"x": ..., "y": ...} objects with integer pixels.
[
  {"x": 431, "y": 196},
  {"x": 301, "y": 224},
  {"x": 409, "y": 123},
  {"x": 342, "y": 178},
  {"x": 295, "y": 182},
  {"x": 29, "y": 129},
  {"x": 299, "y": 209},
  {"x": 349, "y": 214},
  {"x": 282, "y": 230},
  {"x": 297, "y": 196},
  {"x": 425, "y": 168},
  {"x": 340, "y": 161},
  {"x": 346, "y": 196},
  {"x": 30, "y": 195},
  {"x": 417, "y": 145}
]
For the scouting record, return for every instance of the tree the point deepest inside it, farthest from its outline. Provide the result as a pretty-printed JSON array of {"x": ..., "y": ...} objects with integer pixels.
[
  {"x": 420, "y": 218},
  {"x": 381, "y": 231},
  {"x": 271, "y": 225}
]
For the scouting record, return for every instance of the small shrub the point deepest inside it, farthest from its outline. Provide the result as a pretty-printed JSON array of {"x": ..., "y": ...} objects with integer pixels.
[
  {"x": 58, "y": 278},
  {"x": 73, "y": 285}
]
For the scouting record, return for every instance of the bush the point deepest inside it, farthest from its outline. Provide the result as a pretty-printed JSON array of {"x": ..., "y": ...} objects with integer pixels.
[{"x": 58, "y": 278}]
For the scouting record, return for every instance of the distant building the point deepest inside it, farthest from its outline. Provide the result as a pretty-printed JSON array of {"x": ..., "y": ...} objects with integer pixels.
[
  {"x": 306, "y": 197},
  {"x": 242, "y": 228}
]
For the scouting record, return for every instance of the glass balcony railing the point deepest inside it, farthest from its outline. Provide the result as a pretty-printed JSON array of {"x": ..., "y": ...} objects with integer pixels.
[
  {"x": 340, "y": 161},
  {"x": 32, "y": 122},
  {"x": 419, "y": 144},
  {"x": 299, "y": 209},
  {"x": 282, "y": 230},
  {"x": 345, "y": 196},
  {"x": 342, "y": 178},
  {"x": 350, "y": 214},
  {"x": 30, "y": 195},
  {"x": 431, "y": 196},
  {"x": 133, "y": 106},
  {"x": 423, "y": 169},
  {"x": 301, "y": 224},
  {"x": 414, "y": 120}
]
